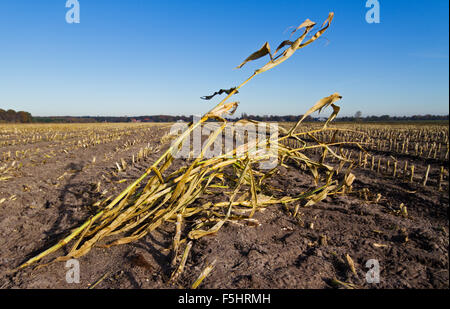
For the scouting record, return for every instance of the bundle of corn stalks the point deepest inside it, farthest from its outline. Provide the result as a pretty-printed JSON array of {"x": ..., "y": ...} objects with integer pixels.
[{"x": 174, "y": 197}]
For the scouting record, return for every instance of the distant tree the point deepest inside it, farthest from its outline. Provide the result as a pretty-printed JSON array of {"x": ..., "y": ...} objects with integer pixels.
[
  {"x": 24, "y": 117},
  {"x": 358, "y": 115},
  {"x": 2, "y": 115},
  {"x": 13, "y": 116}
]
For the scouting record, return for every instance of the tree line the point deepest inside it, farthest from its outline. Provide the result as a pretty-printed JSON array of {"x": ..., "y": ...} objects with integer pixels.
[
  {"x": 13, "y": 116},
  {"x": 387, "y": 118},
  {"x": 25, "y": 117}
]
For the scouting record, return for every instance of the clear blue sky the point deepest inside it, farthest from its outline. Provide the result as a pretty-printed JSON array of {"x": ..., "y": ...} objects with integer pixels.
[{"x": 145, "y": 57}]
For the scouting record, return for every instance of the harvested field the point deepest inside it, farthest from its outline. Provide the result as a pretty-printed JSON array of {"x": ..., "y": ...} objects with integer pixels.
[
  {"x": 52, "y": 178},
  {"x": 223, "y": 203}
]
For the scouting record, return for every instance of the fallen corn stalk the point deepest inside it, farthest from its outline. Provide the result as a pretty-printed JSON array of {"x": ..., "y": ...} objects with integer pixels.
[{"x": 173, "y": 197}]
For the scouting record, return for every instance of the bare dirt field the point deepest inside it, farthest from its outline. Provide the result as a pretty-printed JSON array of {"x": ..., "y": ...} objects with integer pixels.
[{"x": 53, "y": 176}]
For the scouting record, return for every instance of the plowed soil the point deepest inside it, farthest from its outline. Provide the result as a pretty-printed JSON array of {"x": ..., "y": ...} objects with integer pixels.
[{"x": 45, "y": 200}]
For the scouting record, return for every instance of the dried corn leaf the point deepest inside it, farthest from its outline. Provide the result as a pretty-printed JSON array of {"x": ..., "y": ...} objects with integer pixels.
[
  {"x": 314, "y": 172},
  {"x": 221, "y": 91},
  {"x": 314, "y": 199},
  {"x": 346, "y": 285},
  {"x": 336, "y": 110},
  {"x": 297, "y": 44},
  {"x": 285, "y": 55},
  {"x": 228, "y": 108},
  {"x": 283, "y": 44},
  {"x": 264, "y": 198},
  {"x": 263, "y": 51},
  {"x": 319, "y": 33},
  {"x": 196, "y": 234},
  {"x": 323, "y": 103},
  {"x": 306, "y": 24},
  {"x": 203, "y": 275}
]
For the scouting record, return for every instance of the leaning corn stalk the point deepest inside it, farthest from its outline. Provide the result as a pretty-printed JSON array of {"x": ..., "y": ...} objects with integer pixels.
[{"x": 170, "y": 196}]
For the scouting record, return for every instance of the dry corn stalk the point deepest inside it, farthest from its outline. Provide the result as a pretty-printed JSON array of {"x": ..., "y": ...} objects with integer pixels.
[{"x": 169, "y": 196}]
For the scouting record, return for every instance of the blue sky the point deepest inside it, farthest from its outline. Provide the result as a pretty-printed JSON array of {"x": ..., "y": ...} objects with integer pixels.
[{"x": 145, "y": 57}]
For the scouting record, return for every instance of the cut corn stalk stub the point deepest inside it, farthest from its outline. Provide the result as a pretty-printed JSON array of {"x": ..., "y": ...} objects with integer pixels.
[
  {"x": 351, "y": 264},
  {"x": 180, "y": 268},
  {"x": 349, "y": 179}
]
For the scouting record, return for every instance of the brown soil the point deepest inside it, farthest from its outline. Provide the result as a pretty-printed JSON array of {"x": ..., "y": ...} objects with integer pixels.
[{"x": 281, "y": 253}]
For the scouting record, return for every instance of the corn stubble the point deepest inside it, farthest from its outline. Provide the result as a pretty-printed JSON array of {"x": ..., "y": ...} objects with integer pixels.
[{"x": 173, "y": 197}]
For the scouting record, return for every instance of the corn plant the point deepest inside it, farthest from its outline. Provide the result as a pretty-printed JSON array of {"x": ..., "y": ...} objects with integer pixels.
[{"x": 172, "y": 196}]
